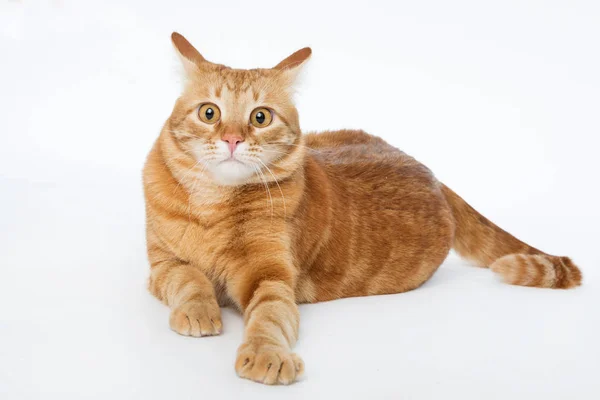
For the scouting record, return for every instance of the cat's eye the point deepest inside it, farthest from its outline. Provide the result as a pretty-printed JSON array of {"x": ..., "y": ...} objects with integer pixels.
[
  {"x": 261, "y": 117},
  {"x": 209, "y": 113}
]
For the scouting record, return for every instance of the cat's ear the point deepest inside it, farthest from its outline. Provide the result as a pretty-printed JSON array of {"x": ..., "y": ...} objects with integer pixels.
[
  {"x": 190, "y": 57},
  {"x": 292, "y": 65}
]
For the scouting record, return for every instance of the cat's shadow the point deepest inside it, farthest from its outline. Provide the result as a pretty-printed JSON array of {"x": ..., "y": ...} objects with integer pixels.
[{"x": 452, "y": 269}]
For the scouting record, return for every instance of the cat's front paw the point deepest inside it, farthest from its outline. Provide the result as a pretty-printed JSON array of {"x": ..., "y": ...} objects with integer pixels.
[
  {"x": 268, "y": 364},
  {"x": 196, "y": 318}
]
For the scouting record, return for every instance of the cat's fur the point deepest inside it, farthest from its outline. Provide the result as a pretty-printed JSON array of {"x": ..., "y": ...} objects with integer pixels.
[{"x": 299, "y": 218}]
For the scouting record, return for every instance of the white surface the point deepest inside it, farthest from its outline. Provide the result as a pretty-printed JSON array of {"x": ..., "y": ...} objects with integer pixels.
[{"x": 500, "y": 101}]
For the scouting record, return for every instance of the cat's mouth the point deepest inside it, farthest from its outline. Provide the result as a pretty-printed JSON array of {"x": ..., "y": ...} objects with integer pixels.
[
  {"x": 232, "y": 160},
  {"x": 232, "y": 171}
]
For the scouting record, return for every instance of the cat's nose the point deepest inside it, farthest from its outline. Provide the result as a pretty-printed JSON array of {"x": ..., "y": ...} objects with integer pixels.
[{"x": 232, "y": 140}]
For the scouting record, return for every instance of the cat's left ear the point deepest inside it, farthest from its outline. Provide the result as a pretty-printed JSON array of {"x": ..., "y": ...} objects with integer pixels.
[{"x": 292, "y": 65}]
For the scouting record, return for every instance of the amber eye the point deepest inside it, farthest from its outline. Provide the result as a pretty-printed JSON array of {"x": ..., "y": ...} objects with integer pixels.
[
  {"x": 261, "y": 117},
  {"x": 209, "y": 113}
]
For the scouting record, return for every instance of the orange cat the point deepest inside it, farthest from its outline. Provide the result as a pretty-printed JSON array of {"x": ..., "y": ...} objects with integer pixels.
[{"x": 242, "y": 209}]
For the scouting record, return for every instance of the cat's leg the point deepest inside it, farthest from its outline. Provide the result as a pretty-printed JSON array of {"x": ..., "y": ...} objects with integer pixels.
[
  {"x": 271, "y": 318},
  {"x": 187, "y": 291}
]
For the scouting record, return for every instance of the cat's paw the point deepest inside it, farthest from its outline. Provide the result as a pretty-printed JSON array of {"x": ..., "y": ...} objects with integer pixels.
[
  {"x": 196, "y": 318},
  {"x": 269, "y": 365}
]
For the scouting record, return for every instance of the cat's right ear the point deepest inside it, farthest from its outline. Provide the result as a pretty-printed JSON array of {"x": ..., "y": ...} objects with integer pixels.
[{"x": 190, "y": 57}]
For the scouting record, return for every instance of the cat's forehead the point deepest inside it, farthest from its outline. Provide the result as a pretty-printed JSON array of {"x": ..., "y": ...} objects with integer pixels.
[
  {"x": 234, "y": 80},
  {"x": 235, "y": 85},
  {"x": 242, "y": 80}
]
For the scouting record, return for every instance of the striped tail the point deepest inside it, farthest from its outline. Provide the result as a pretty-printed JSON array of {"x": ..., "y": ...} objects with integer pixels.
[{"x": 479, "y": 240}]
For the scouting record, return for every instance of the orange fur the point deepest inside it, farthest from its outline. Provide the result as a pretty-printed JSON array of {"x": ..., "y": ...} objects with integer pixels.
[
  {"x": 293, "y": 218},
  {"x": 481, "y": 241}
]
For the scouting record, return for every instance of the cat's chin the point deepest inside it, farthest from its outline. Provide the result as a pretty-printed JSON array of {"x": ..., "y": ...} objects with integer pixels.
[{"x": 231, "y": 173}]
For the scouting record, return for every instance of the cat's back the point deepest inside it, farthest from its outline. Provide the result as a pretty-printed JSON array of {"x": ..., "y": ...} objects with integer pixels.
[{"x": 357, "y": 155}]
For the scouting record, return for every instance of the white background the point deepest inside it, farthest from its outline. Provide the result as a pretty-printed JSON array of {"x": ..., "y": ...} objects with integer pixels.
[{"x": 501, "y": 99}]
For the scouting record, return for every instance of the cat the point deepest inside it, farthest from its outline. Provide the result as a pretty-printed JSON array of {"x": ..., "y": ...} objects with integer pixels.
[{"x": 245, "y": 210}]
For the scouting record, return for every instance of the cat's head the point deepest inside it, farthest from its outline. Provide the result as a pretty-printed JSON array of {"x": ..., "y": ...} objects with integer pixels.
[{"x": 239, "y": 126}]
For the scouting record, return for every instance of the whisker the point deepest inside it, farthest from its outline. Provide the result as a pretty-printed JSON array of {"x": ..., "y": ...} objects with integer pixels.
[
  {"x": 184, "y": 174},
  {"x": 296, "y": 145},
  {"x": 268, "y": 191},
  {"x": 263, "y": 181},
  {"x": 280, "y": 191},
  {"x": 275, "y": 151}
]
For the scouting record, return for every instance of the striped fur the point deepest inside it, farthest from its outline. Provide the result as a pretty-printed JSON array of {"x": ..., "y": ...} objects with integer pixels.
[
  {"x": 479, "y": 240},
  {"x": 297, "y": 218},
  {"x": 539, "y": 270}
]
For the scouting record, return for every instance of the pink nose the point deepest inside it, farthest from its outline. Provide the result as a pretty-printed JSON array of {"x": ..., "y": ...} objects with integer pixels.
[{"x": 232, "y": 140}]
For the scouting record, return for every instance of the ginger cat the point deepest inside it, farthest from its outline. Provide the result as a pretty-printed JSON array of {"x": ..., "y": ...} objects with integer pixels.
[{"x": 245, "y": 210}]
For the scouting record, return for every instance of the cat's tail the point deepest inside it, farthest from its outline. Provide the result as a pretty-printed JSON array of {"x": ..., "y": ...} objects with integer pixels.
[{"x": 477, "y": 239}]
